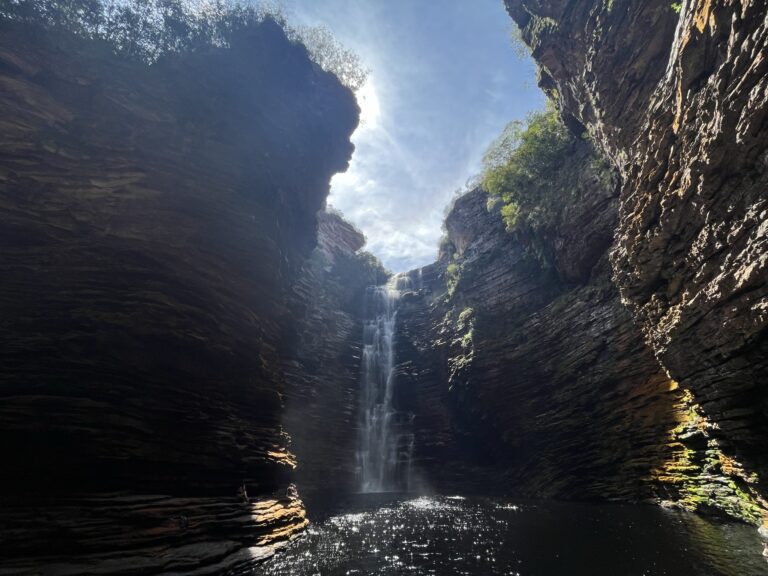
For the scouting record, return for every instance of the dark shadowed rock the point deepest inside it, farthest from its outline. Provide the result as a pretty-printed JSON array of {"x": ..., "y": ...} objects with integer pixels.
[
  {"x": 157, "y": 225},
  {"x": 323, "y": 377},
  {"x": 529, "y": 376}
]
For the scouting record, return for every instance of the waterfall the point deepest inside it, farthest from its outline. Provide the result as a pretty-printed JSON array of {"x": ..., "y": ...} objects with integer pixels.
[{"x": 386, "y": 444}]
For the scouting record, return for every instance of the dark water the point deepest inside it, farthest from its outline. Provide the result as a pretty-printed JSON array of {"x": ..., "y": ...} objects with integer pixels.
[{"x": 446, "y": 536}]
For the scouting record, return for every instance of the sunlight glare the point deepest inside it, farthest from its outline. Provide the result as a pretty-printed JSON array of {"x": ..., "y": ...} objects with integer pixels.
[{"x": 368, "y": 100}]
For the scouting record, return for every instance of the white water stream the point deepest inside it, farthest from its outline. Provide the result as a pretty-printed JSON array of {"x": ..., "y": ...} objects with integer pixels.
[{"x": 386, "y": 444}]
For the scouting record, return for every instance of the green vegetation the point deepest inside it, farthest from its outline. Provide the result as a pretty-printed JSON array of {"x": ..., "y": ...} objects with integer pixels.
[
  {"x": 453, "y": 274},
  {"x": 461, "y": 326},
  {"x": 676, "y": 6},
  {"x": 147, "y": 29},
  {"x": 466, "y": 321},
  {"x": 523, "y": 170},
  {"x": 374, "y": 265},
  {"x": 465, "y": 317},
  {"x": 702, "y": 477}
]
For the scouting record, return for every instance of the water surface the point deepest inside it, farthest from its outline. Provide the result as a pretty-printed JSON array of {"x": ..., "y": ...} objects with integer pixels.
[{"x": 446, "y": 536}]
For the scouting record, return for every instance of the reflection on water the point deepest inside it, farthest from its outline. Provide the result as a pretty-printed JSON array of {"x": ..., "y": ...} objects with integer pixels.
[{"x": 446, "y": 536}]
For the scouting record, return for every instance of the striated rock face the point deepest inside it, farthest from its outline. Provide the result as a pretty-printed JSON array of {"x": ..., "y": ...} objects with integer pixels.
[
  {"x": 447, "y": 455},
  {"x": 323, "y": 378},
  {"x": 679, "y": 102},
  {"x": 157, "y": 222},
  {"x": 536, "y": 366}
]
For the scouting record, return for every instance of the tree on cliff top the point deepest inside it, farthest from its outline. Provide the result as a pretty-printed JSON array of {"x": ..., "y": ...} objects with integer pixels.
[
  {"x": 147, "y": 29},
  {"x": 522, "y": 169}
]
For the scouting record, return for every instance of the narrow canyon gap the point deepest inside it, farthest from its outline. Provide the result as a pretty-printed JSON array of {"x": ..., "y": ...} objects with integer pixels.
[{"x": 197, "y": 357}]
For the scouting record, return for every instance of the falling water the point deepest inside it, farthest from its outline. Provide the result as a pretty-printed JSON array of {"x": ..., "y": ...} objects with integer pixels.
[{"x": 386, "y": 445}]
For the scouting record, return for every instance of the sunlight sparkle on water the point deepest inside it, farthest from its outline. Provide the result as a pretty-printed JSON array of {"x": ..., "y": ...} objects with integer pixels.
[{"x": 443, "y": 536}]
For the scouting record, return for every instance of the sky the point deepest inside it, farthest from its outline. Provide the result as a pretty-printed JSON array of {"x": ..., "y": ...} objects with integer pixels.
[{"x": 444, "y": 81}]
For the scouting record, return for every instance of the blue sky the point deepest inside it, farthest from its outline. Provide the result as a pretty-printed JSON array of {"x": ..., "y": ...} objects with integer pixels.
[{"x": 444, "y": 82}]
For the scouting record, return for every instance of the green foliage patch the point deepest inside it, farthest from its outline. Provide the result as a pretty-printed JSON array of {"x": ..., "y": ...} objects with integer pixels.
[
  {"x": 374, "y": 266},
  {"x": 452, "y": 274},
  {"x": 523, "y": 170},
  {"x": 465, "y": 317}
]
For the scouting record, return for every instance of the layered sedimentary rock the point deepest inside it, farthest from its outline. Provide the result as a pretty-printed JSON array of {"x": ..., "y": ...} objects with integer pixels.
[
  {"x": 449, "y": 453},
  {"x": 156, "y": 220},
  {"x": 523, "y": 340},
  {"x": 323, "y": 378},
  {"x": 678, "y": 101}
]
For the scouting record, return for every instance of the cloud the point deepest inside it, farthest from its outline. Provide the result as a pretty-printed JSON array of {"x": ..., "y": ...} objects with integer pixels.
[{"x": 444, "y": 81}]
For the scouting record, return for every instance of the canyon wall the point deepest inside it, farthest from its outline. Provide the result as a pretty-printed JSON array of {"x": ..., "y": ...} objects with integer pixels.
[
  {"x": 517, "y": 346},
  {"x": 323, "y": 377},
  {"x": 678, "y": 102},
  {"x": 619, "y": 353},
  {"x": 158, "y": 252}
]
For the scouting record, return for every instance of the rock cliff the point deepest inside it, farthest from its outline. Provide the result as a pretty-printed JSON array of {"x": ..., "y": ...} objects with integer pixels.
[
  {"x": 323, "y": 378},
  {"x": 678, "y": 102},
  {"x": 176, "y": 303},
  {"x": 158, "y": 257},
  {"x": 542, "y": 374}
]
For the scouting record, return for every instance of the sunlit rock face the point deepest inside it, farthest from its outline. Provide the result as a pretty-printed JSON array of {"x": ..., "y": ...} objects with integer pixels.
[
  {"x": 679, "y": 102},
  {"x": 156, "y": 221},
  {"x": 525, "y": 370}
]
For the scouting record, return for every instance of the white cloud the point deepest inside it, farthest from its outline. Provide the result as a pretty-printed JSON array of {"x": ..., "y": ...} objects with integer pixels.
[{"x": 444, "y": 81}]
